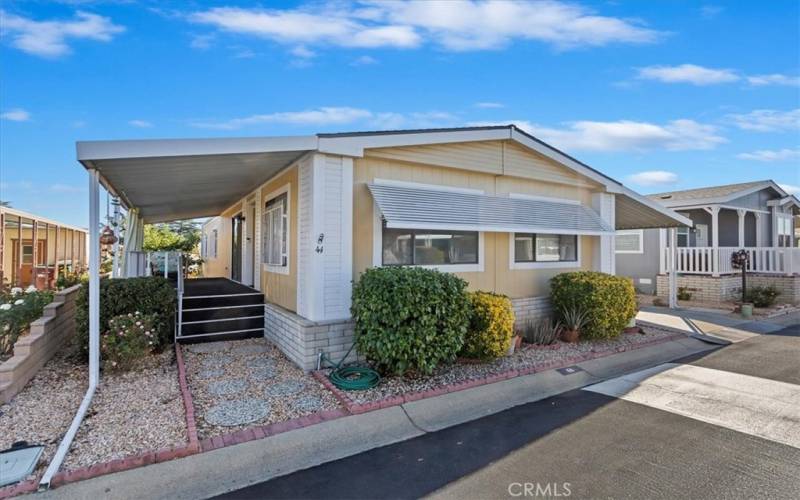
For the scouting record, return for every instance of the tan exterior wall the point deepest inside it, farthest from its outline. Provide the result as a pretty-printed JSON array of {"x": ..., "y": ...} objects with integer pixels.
[
  {"x": 217, "y": 267},
  {"x": 278, "y": 288},
  {"x": 496, "y": 276}
]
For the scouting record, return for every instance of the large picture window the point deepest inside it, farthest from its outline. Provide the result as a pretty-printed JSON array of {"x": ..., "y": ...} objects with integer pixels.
[
  {"x": 276, "y": 231},
  {"x": 530, "y": 247},
  {"x": 421, "y": 247}
]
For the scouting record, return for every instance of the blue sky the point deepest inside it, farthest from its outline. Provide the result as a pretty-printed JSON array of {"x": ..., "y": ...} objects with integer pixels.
[{"x": 659, "y": 95}]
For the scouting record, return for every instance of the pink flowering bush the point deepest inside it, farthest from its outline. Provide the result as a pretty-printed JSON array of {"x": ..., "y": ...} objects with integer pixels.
[
  {"x": 129, "y": 338},
  {"x": 18, "y": 308}
]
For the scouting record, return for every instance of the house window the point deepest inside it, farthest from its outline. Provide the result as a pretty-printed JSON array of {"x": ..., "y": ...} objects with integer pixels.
[
  {"x": 683, "y": 236},
  {"x": 213, "y": 248},
  {"x": 629, "y": 241},
  {"x": 785, "y": 231},
  {"x": 422, "y": 247},
  {"x": 530, "y": 247},
  {"x": 276, "y": 230}
]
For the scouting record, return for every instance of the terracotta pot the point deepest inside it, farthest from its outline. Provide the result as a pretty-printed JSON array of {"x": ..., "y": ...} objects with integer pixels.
[
  {"x": 570, "y": 336},
  {"x": 516, "y": 341}
]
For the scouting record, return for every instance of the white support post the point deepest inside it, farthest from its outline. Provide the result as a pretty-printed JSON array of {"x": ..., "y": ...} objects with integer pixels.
[
  {"x": 715, "y": 240},
  {"x": 673, "y": 278},
  {"x": 604, "y": 255},
  {"x": 115, "y": 260},
  {"x": 759, "y": 229},
  {"x": 662, "y": 251},
  {"x": 742, "y": 213}
]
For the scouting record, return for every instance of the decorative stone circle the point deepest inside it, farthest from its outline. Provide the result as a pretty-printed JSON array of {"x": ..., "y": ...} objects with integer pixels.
[
  {"x": 225, "y": 387},
  {"x": 287, "y": 388},
  {"x": 238, "y": 412},
  {"x": 216, "y": 362},
  {"x": 250, "y": 349},
  {"x": 210, "y": 373},
  {"x": 308, "y": 402},
  {"x": 207, "y": 347},
  {"x": 263, "y": 373},
  {"x": 261, "y": 363}
]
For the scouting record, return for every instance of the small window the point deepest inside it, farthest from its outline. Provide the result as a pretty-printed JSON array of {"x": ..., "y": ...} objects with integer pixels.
[
  {"x": 214, "y": 244},
  {"x": 683, "y": 237},
  {"x": 530, "y": 247},
  {"x": 275, "y": 226},
  {"x": 784, "y": 231},
  {"x": 429, "y": 248},
  {"x": 629, "y": 241}
]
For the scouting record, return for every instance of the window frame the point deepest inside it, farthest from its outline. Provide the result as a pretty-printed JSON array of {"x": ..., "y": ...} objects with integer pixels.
[
  {"x": 629, "y": 232},
  {"x": 286, "y": 233},
  {"x": 414, "y": 233},
  {"x": 215, "y": 241},
  {"x": 539, "y": 264}
]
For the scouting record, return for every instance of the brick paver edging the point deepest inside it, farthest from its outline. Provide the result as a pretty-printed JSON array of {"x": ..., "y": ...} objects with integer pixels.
[
  {"x": 356, "y": 408},
  {"x": 188, "y": 404}
]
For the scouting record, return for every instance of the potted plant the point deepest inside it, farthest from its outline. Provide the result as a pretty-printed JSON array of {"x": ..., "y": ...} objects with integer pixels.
[{"x": 573, "y": 319}]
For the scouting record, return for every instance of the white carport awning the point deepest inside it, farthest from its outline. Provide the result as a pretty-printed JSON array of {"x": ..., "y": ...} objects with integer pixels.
[
  {"x": 418, "y": 208},
  {"x": 184, "y": 179}
]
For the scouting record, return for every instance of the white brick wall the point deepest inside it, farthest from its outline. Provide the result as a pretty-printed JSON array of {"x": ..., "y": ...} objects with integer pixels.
[{"x": 729, "y": 287}]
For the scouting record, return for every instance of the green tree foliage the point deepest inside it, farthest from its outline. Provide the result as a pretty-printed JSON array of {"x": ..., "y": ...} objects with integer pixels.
[{"x": 181, "y": 236}]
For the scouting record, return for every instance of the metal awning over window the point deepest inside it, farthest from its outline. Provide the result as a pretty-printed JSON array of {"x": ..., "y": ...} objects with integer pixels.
[{"x": 418, "y": 208}]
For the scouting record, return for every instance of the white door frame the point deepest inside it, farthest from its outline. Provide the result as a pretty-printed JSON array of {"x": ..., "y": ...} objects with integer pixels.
[
  {"x": 697, "y": 235},
  {"x": 248, "y": 243}
]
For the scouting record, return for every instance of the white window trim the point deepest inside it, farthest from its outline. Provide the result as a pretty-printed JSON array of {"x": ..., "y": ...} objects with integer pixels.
[
  {"x": 541, "y": 265},
  {"x": 626, "y": 232},
  {"x": 269, "y": 268},
  {"x": 377, "y": 250}
]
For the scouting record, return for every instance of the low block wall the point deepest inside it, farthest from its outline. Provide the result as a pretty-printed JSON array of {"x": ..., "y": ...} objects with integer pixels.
[
  {"x": 47, "y": 335},
  {"x": 729, "y": 287},
  {"x": 531, "y": 308},
  {"x": 302, "y": 340}
]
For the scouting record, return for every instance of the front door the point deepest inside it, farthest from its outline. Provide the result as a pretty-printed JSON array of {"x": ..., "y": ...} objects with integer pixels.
[
  {"x": 236, "y": 247},
  {"x": 701, "y": 236}
]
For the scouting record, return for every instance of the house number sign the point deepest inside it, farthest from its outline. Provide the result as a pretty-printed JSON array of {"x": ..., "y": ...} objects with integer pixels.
[{"x": 320, "y": 248}]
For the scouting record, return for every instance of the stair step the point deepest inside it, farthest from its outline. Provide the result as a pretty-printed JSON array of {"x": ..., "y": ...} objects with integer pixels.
[
  {"x": 227, "y": 335},
  {"x": 208, "y": 313},
  {"x": 223, "y": 325},
  {"x": 211, "y": 301}
]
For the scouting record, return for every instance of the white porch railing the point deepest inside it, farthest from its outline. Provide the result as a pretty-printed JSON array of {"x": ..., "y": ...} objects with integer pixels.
[
  {"x": 708, "y": 260},
  {"x": 152, "y": 264}
]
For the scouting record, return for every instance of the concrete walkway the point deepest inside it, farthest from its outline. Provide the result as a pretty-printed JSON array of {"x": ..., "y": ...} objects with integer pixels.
[
  {"x": 718, "y": 327},
  {"x": 204, "y": 475}
]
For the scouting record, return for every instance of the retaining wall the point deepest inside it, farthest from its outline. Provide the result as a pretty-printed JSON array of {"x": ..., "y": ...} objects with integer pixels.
[
  {"x": 729, "y": 287},
  {"x": 47, "y": 335}
]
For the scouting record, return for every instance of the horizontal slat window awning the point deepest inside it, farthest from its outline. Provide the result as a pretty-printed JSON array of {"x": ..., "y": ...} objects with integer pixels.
[{"x": 422, "y": 208}]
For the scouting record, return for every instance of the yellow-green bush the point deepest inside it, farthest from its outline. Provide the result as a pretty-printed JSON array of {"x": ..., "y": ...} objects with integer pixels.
[
  {"x": 608, "y": 301},
  {"x": 491, "y": 326}
]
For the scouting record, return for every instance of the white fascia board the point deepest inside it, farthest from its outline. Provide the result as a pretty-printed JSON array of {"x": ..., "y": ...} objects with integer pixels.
[
  {"x": 491, "y": 229},
  {"x": 721, "y": 199},
  {"x": 356, "y": 144},
  {"x": 656, "y": 206},
  {"x": 153, "y": 148}
]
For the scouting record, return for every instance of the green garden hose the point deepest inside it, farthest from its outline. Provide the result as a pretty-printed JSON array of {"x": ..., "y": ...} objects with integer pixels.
[{"x": 352, "y": 378}]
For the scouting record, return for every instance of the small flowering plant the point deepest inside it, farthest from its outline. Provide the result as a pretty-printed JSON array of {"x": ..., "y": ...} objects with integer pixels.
[
  {"x": 18, "y": 308},
  {"x": 129, "y": 337}
]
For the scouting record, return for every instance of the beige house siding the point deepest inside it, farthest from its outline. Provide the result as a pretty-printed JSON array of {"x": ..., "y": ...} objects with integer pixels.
[
  {"x": 496, "y": 276},
  {"x": 216, "y": 267}
]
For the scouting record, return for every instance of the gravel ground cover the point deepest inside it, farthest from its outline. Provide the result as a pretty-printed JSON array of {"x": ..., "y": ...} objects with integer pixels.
[
  {"x": 131, "y": 412},
  {"x": 255, "y": 385},
  {"x": 524, "y": 358}
]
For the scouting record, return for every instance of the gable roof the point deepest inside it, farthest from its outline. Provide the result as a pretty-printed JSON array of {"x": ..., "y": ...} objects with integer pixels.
[
  {"x": 169, "y": 179},
  {"x": 714, "y": 194}
]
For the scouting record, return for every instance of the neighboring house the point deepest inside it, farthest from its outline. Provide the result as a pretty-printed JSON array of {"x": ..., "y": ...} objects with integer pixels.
[
  {"x": 300, "y": 218},
  {"x": 34, "y": 250},
  {"x": 758, "y": 216}
]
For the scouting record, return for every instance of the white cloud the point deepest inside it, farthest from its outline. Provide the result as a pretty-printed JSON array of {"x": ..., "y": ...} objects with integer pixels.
[
  {"x": 327, "y": 116},
  {"x": 50, "y": 38},
  {"x": 16, "y": 115},
  {"x": 66, "y": 188},
  {"x": 688, "y": 73},
  {"x": 364, "y": 61},
  {"x": 767, "y": 155},
  {"x": 458, "y": 25},
  {"x": 767, "y": 120},
  {"x": 653, "y": 178},
  {"x": 489, "y": 105},
  {"x": 709, "y": 11},
  {"x": 624, "y": 135},
  {"x": 140, "y": 123},
  {"x": 790, "y": 189},
  {"x": 303, "y": 52},
  {"x": 773, "y": 79},
  {"x": 202, "y": 42}
]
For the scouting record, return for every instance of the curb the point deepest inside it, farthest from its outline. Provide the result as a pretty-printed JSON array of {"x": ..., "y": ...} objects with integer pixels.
[{"x": 358, "y": 408}]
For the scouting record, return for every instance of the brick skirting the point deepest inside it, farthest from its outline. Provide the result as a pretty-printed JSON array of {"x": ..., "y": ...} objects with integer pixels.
[{"x": 729, "y": 287}]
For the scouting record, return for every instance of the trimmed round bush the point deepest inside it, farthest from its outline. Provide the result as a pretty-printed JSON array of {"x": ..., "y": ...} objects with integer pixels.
[
  {"x": 608, "y": 301},
  {"x": 408, "y": 319},
  {"x": 491, "y": 326},
  {"x": 148, "y": 295}
]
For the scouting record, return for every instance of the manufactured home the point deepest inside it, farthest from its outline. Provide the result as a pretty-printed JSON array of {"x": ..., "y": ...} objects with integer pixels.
[{"x": 294, "y": 221}]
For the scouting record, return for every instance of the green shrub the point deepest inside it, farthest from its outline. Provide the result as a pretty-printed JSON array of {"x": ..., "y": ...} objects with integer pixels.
[
  {"x": 609, "y": 301},
  {"x": 129, "y": 337},
  {"x": 151, "y": 295},
  {"x": 491, "y": 326},
  {"x": 762, "y": 296},
  {"x": 684, "y": 293},
  {"x": 18, "y": 308},
  {"x": 409, "y": 319},
  {"x": 541, "y": 331}
]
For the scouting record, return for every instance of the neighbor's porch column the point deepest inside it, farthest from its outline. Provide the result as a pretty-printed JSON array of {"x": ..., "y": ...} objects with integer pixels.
[
  {"x": 741, "y": 212},
  {"x": 673, "y": 278},
  {"x": 759, "y": 229},
  {"x": 325, "y": 253},
  {"x": 603, "y": 204},
  {"x": 714, "y": 240}
]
